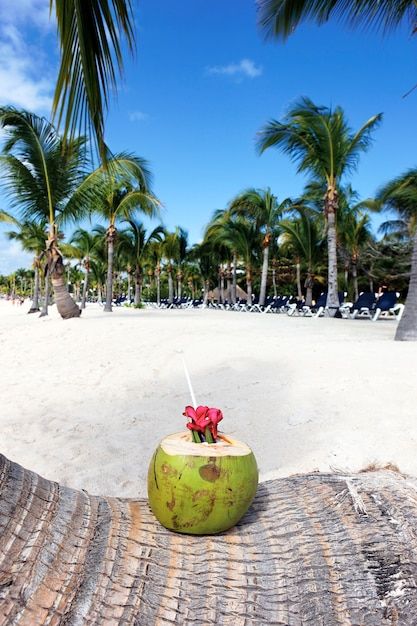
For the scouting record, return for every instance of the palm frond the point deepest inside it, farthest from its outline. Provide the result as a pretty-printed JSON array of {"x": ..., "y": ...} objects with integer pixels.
[{"x": 90, "y": 35}]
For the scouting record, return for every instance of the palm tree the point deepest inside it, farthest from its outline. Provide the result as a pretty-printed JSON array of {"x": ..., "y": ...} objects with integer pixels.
[
  {"x": 263, "y": 208},
  {"x": 302, "y": 237},
  {"x": 40, "y": 173},
  {"x": 84, "y": 244},
  {"x": 320, "y": 141},
  {"x": 135, "y": 245},
  {"x": 400, "y": 195},
  {"x": 280, "y": 18},
  {"x": 355, "y": 236},
  {"x": 91, "y": 41},
  {"x": 32, "y": 237},
  {"x": 224, "y": 239},
  {"x": 182, "y": 236},
  {"x": 171, "y": 254},
  {"x": 117, "y": 191},
  {"x": 155, "y": 255}
]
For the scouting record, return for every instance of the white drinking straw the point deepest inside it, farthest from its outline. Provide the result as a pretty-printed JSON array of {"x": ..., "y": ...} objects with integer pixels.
[{"x": 190, "y": 387}]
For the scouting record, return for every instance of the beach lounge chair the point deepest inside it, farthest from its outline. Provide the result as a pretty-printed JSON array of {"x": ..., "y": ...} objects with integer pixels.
[
  {"x": 388, "y": 307},
  {"x": 363, "y": 307}
]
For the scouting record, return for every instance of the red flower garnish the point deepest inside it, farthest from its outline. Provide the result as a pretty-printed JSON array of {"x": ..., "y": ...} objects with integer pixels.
[{"x": 203, "y": 417}]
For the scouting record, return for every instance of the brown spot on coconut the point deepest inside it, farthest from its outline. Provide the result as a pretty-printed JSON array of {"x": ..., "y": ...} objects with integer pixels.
[{"x": 208, "y": 488}]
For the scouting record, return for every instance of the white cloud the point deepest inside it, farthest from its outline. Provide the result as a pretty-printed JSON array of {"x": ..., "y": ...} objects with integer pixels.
[
  {"x": 19, "y": 11},
  {"x": 138, "y": 116},
  {"x": 245, "y": 68},
  {"x": 24, "y": 80},
  {"x": 12, "y": 256}
]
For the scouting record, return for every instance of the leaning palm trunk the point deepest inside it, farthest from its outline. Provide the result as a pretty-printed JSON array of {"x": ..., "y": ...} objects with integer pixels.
[
  {"x": 331, "y": 205},
  {"x": 407, "y": 328},
  {"x": 65, "y": 305},
  {"x": 110, "y": 237},
  {"x": 34, "y": 307},
  {"x": 298, "y": 271},
  {"x": 323, "y": 547},
  {"x": 264, "y": 276},
  {"x": 179, "y": 278}
]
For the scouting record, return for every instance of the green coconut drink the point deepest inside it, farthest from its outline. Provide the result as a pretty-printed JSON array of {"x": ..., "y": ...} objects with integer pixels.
[{"x": 199, "y": 487}]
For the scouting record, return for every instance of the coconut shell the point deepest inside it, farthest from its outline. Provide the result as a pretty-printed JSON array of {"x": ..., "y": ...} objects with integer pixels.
[{"x": 201, "y": 489}]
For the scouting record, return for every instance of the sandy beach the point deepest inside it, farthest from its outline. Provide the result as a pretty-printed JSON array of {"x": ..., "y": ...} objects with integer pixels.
[{"x": 86, "y": 401}]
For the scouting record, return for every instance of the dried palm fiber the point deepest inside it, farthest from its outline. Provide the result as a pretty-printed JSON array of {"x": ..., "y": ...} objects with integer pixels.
[{"x": 319, "y": 550}]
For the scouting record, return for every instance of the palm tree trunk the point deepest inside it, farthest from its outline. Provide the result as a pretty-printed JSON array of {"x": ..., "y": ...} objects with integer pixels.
[
  {"x": 34, "y": 307},
  {"x": 234, "y": 279},
  {"x": 274, "y": 281},
  {"x": 221, "y": 285},
  {"x": 45, "y": 305},
  {"x": 170, "y": 286},
  {"x": 331, "y": 205},
  {"x": 129, "y": 287},
  {"x": 355, "y": 279},
  {"x": 138, "y": 286},
  {"x": 347, "y": 276},
  {"x": 85, "y": 287},
  {"x": 249, "y": 285},
  {"x": 206, "y": 292},
  {"x": 99, "y": 294},
  {"x": 179, "y": 287},
  {"x": 229, "y": 283},
  {"x": 407, "y": 328},
  {"x": 298, "y": 270},
  {"x": 158, "y": 285},
  {"x": 309, "y": 287},
  {"x": 264, "y": 276},
  {"x": 65, "y": 305},
  {"x": 110, "y": 236}
]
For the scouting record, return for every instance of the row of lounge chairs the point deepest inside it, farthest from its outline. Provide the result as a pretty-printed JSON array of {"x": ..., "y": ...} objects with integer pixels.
[{"x": 368, "y": 306}]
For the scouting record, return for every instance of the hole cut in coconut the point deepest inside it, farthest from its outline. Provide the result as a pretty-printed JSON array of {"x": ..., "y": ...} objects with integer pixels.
[{"x": 182, "y": 444}]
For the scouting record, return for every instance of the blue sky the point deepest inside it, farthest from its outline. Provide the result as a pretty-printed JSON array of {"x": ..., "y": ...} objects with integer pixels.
[{"x": 203, "y": 83}]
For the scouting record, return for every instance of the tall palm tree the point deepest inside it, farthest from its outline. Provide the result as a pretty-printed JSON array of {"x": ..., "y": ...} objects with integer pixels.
[
  {"x": 182, "y": 236},
  {"x": 171, "y": 254},
  {"x": 40, "y": 173},
  {"x": 156, "y": 254},
  {"x": 263, "y": 208},
  {"x": 32, "y": 237},
  {"x": 117, "y": 191},
  {"x": 355, "y": 236},
  {"x": 280, "y": 18},
  {"x": 135, "y": 244},
  {"x": 225, "y": 239},
  {"x": 302, "y": 237},
  {"x": 91, "y": 36},
  {"x": 84, "y": 244},
  {"x": 400, "y": 195},
  {"x": 322, "y": 144}
]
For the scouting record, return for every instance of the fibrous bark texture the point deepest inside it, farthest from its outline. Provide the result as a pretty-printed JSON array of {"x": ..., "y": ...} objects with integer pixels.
[{"x": 319, "y": 550}]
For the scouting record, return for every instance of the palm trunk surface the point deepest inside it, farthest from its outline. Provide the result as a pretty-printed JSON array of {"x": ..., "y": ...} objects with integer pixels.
[
  {"x": 34, "y": 307},
  {"x": 407, "y": 327},
  {"x": 264, "y": 276},
  {"x": 316, "y": 549},
  {"x": 85, "y": 287},
  {"x": 299, "y": 290},
  {"x": 332, "y": 289},
  {"x": 234, "y": 280},
  {"x": 170, "y": 287},
  {"x": 45, "y": 305},
  {"x": 110, "y": 236}
]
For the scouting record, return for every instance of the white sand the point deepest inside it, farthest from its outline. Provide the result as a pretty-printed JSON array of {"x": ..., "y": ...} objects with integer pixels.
[{"x": 86, "y": 401}]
